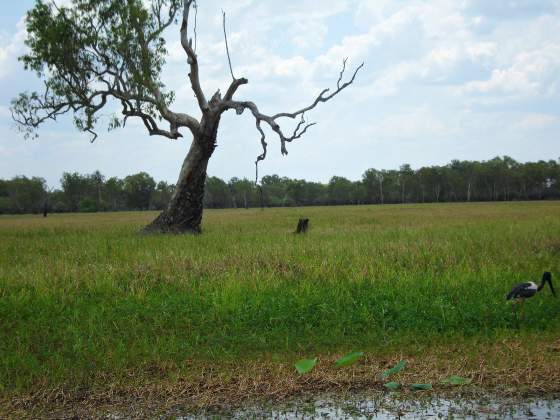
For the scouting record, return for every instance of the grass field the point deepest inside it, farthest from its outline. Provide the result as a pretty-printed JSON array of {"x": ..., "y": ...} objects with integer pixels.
[{"x": 87, "y": 303}]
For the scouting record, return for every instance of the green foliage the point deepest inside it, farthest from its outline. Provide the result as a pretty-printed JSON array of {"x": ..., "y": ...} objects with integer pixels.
[
  {"x": 88, "y": 205},
  {"x": 138, "y": 190},
  {"x": 305, "y": 365},
  {"x": 22, "y": 195},
  {"x": 161, "y": 195},
  {"x": 340, "y": 190},
  {"x": 394, "y": 370},
  {"x": 6, "y": 205},
  {"x": 455, "y": 380},
  {"x": 349, "y": 359},
  {"x": 392, "y": 386},
  {"x": 421, "y": 387},
  {"x": 459, "y": 181},
  {"x": 92, "y": 50}
]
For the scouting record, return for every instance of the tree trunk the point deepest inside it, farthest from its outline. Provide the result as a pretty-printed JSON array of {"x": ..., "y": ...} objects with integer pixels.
[{"x": 183, "y": 214}]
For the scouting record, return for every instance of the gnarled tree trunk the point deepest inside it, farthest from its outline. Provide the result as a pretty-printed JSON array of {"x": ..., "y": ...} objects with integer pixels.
[{"x": 183, "y": 214}]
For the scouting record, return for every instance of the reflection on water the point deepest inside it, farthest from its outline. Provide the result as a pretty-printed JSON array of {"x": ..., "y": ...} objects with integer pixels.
[{"x": 390, "y": 407}]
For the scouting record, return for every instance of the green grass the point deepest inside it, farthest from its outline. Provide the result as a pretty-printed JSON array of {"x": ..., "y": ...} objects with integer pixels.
[{"x": 85, "y": 299}]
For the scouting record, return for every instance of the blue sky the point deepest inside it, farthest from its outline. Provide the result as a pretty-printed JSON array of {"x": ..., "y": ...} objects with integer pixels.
[{"x": 444, "y": 79}]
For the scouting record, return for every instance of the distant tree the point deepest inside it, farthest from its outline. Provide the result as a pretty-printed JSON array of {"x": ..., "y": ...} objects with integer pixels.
[
  {"x": 297, "y": 191},
  {"x": 98, "y": 180},
  {"x": 553, "y": 179},
  {"x": 316, "y": 193},
  {"x": 373, "y": 185},
  {"x": 358, "y": 193},
  {"x": 76, "y": 188},
  {"x": 243, "y": 192},
  {"x": 274, "y": 190},
  {"x": 217, "y": 194},
  {"x": 114, "y": 194},
  {"x": 340, "y": 190},
  {"x": 5, "y": 205},
  {"x": 26, "y": 195},
  {"x": 57, "y": 202},
  {"x": 138, "y": 190},
  {"x": 406, "y": 178},
  {"x": 501, "y": 178},
  {"x": 162, "y": 195},
  {"x": 88, "y": 205}
]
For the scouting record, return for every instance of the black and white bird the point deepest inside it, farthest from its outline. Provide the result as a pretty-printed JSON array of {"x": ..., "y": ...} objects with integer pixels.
[
  {"x": 526, "y": 290},
  {"x": 523, "y": 291}
]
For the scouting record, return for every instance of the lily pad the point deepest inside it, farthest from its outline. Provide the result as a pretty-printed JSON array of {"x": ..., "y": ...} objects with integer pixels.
[
  {"x": 305, "y": 365},
  {"x": 395, "y": 369},
  {"x": 421, "y": 387},
  {"x": 455, "y": 380},
  {"x": 349, "y": 359},
  {"x": 393, "y": 386}
]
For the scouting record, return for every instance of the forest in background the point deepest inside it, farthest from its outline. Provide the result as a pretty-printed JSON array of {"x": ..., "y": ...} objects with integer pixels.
[{"x": 498, "y": 179}]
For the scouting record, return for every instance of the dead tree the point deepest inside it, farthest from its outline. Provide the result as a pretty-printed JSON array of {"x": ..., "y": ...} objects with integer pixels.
[{"x": 87, "y": 61}]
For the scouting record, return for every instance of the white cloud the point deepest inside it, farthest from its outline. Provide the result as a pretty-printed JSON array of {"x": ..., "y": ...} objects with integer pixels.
[
  {"x": 531, "y": 73},
  {"x": 537, "y": 121},
  {"x": 10, "y": 49},
  {"x": 481, "y": 50},
  {"x": 5, "y": 112},
  {"x": 416, "y": 124},
  {"x": 308, "y": 35}
]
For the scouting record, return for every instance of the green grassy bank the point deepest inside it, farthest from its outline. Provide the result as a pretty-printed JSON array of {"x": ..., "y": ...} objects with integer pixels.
[{"x": 85, "y": 299}]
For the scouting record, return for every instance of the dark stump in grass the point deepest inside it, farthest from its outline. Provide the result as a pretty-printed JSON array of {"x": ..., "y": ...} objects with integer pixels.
[{"x": 303, "y": 226}]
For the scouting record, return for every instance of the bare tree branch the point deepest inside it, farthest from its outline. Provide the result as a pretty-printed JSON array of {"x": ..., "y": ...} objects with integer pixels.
[
  {"x": 341, "y": 72},
  {"x": 227, "y": 46},
  {"x": 302, "y": 126},
  {"x": 192, "y": 58},
  {"x": 322, "y": 97},
  {"x": 262, "y": 156},
  {"x": 233, "y": 88},
  {"x": 195, "y": 5}
]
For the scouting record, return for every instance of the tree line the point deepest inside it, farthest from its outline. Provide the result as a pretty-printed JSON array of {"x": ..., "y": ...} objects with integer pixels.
[{"x": 499, "y": 179}]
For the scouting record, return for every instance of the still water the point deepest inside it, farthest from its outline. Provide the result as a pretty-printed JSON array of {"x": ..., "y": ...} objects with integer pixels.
[{"x": 391, "y": 407}]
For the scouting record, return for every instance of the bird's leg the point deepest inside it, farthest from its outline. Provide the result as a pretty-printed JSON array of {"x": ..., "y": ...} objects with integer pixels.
[
  {"x": 522, "y": 309},
  {"x": 515, "y": 306}
]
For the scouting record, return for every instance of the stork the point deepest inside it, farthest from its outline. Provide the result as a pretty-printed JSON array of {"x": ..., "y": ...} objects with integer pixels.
[{"x": 523, "y": 291}]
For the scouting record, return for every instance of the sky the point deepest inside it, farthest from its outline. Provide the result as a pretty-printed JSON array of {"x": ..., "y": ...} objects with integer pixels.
[{"x": 443, "y": 80}]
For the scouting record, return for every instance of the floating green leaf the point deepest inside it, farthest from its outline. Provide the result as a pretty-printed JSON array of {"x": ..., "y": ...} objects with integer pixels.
[
  {"x": 305, "y": 365},
  {"x": 393, "y": 386},
  {"x": 396, "y": 369},
  {"x": 455, "y": 380},
  {"x": 421, "y": 387},
  {"x": 349, "y": 359}
]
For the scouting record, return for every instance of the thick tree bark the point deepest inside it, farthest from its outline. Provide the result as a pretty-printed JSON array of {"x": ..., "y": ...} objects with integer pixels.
[{"x": 184, "y": 211}]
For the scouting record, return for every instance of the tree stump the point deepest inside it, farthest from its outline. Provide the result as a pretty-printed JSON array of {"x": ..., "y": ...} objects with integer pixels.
[{"x": 303, "y": 226}]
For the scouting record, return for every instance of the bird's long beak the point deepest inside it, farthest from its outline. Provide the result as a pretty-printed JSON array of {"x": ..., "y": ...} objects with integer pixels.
[{"x": 551, "y": 288}]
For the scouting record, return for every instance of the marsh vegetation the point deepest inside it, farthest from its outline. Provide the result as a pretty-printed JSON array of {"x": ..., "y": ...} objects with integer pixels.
[{"x": 89, "y": 305}]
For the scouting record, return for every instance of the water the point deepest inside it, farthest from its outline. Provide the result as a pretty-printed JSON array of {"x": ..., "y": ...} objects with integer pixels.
[{"x": 391, "y": 406}]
